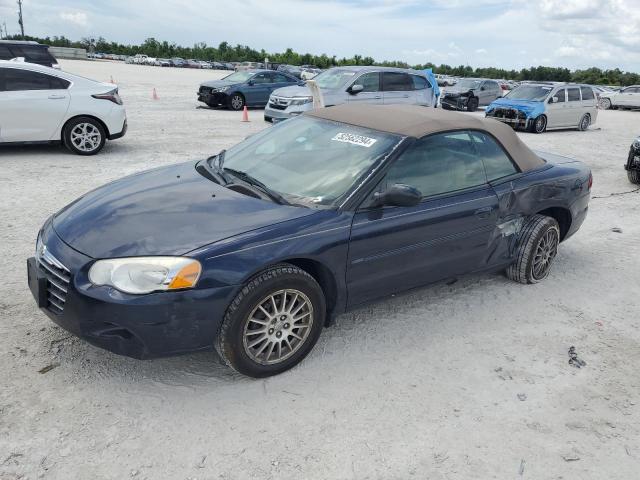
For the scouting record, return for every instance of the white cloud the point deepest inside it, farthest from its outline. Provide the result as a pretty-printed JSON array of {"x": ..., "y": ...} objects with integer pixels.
[
  {"x": 78, "y": 18},
  {"x": 481, "y": 51}
]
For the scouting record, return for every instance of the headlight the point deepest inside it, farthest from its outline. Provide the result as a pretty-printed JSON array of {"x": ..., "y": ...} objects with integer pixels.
[
  {"x": 138, "y": 275},
  {"x": 221, "y": 89},
  {"x": 301, "y": 101},
  {"x": 636, "y": 143}
]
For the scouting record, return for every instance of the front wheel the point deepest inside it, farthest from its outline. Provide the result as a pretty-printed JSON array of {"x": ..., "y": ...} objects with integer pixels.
[
  {"x": 236, "y": 102},
  {"x": 537, "y": 248},
  {"x": 634, "y": 176},
  {"x": 273, "y": 323},
  {"x": 539, "y": 124},
  {"x": 472, "y": 104},
  {"x": 84, "y": 136}
]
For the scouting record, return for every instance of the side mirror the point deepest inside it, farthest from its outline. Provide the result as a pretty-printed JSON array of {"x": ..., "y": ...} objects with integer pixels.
[
  {"x": 482, "y": 89},
  {"x": 355, "y": 89},
  {"x": 398, "y": 195},
  {"x": 250, "y": 82},
  {"x": 553, "y": 100}
]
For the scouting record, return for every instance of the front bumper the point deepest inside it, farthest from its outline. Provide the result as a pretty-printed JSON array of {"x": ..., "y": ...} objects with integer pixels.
[
  {"x": 139, "y": 326},
  {"x": 510, "y": 116},
  {"x": 454, "y": 102},
  {"x": 282, "y": 112},
  {"x": 213, "y": 98},
  {"x": 633, "y": 160}
]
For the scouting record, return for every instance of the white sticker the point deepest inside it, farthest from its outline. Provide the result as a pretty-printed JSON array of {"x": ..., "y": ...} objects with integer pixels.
[{"x": 354, "y": 139}]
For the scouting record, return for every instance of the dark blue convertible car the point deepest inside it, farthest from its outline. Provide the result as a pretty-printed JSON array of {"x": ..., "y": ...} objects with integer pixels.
[
  {"x": 250, "y": 88},
  {"x": 254, "y": 250}
]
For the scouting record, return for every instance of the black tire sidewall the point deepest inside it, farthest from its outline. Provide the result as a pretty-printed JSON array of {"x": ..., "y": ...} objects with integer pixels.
[
  {"x": 66, "y": 135},
  {"x": 472, "y": 104},
  {"x": 580, "y": 126},
  {"x": 535, "y": 124},
  {"x": 552, "y": 224},
  {"x": 231, "y": 340}
]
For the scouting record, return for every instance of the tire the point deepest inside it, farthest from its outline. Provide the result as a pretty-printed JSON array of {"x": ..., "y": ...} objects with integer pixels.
[
  {"x": 540, "y": 235},
  {"x": 605, "y": 103},
  {"x": 472, "y": 104},
  {"x": 585, "y": 121},
  {"x": 84, "y": 136},
  {"x": 634, "y": 176},
  {"x": 236, "y": 102},
  {"x": 249, "y": 336},
  {"x": 539, "y": 125}
]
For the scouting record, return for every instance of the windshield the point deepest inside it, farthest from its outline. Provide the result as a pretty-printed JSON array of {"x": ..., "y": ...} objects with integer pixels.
[
  {"x": 309, "y": 160},
  {"x": 333, "y": 78},
  {"x": 467, "y": 84},
  {"x": 239, "y": 77},
  {"x": 536, "y": 93}
]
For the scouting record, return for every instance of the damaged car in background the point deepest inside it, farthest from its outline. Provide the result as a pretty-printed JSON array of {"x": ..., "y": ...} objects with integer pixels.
[
  {"x": 254, "y": 250},
  {"x": 633, "y": 162},
  {"x": 470, "y": 93},
  {"x": 540, "y": 107}
]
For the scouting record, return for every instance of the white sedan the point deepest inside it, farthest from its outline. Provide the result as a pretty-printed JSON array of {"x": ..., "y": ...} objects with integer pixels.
[
  {"x": 628, "y": 97},
  {"x": 42, "y": 105}
]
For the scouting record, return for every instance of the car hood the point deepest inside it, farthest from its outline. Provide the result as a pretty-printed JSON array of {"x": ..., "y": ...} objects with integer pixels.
[
  {"x": 167, "y": 211},
  {"x": 457, "y": 91},
  {"x": 527, "y": 106},
  {"x": 218, "y": 83},
  {"x": 293, "y": 91}
]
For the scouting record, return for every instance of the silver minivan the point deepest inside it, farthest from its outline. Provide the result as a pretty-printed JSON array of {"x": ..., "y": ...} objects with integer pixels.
[
  {"x": 538, "y": 107},
  {"x": 378, "y": 85}
]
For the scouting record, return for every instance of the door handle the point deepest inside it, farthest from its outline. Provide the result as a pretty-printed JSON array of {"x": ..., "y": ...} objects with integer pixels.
[
  {"x": 405, "y": 96},
  {"x": 57, "y": 97},
  {"x": 377, "y": 98},
  {"x": 483, "y": 212}
]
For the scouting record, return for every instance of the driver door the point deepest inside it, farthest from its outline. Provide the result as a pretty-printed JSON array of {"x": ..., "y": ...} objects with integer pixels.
[
  {"x": 371, "y": 92},
  {"x": 258, "y": 89},
  {"x": 395, "y": 248}
]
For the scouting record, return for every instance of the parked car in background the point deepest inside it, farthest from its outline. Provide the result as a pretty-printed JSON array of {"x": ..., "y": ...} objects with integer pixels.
[
  {"x": 177, "y": 62},
  {"x": 32, "y": 52},
  {"x": 42, "y": 105},
  {"x": 191, "y": 63},
  {"x": 357, "y": 84},
  {"x": 164, "y": 62},
  {"x": 445, "y": 80},
  {"x": 250, "y": 88},
  {"x": 140, "y": 58},
  {"x": 291, "y": 70},
  {"x": 633, "y": 162},
  {"x": 204, "y": 64},
  {"x": 627, "y": 97},
  {"x": 261, "y": 246},
  {"x": 470, "y": 93},
  {"x": 539, "y": 107},
  {"x": 154, "y": 62},
  {"x": 309, "y": 73},
  {"x": 247, "y": 66}
]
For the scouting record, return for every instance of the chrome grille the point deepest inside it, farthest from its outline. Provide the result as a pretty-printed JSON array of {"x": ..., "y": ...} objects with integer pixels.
[{"x": 58, "y": 279}]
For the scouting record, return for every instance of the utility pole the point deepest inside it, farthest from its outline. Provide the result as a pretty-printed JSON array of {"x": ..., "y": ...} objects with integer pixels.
[{"x": 20, "y": 18}]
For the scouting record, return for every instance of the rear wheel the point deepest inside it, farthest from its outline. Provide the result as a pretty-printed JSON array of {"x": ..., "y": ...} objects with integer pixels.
[
  {"x": 537, "y": 248},
  {"x": 84, "y": 136},
  {"x": 585, "y": 121},
  {"x": 472, "y": 104},
  {"x": 273, "y": 323},
  {"x": 634, "y": 176},
  {"x": 236, "y": 101}
]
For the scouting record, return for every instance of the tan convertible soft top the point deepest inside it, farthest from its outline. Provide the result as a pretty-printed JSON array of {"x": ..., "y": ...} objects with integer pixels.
[{"x": 416, "y": 121}]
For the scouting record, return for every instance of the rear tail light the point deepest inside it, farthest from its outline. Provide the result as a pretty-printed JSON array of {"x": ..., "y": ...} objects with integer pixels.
[{"x": 112, "y": 96}]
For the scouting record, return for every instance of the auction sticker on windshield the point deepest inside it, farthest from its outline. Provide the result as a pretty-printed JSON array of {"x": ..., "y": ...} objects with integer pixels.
[{"x": 354, "y": 139}]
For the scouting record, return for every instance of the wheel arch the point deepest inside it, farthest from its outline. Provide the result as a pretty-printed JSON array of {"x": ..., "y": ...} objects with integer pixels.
[{"x": 562, "y": 215}]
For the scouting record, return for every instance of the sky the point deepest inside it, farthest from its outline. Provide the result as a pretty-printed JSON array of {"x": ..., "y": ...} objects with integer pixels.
[{"x": 501, "y": 33}]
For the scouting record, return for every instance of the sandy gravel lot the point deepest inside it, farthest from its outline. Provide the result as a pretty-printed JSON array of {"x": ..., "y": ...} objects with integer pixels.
[{"x": 462, "y": 381}]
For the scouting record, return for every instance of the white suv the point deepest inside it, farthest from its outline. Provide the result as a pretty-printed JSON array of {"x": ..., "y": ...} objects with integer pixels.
[
  {"x": 628, "y": 97},
  {"x": 42, "y": 105}
]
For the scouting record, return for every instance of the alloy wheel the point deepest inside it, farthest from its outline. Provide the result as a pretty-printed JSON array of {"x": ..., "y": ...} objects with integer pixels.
[
  {"x": 278, "y": 326},
  {"x": 545, "y": 253},
  {"x": 237, "y": 102},
  {"x": 86, "y": 137}
]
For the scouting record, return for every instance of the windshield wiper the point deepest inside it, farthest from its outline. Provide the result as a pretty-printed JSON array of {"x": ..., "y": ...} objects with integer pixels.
[
  {"x": 245, "y": 177},
  {"x": 214, "y": 171}
]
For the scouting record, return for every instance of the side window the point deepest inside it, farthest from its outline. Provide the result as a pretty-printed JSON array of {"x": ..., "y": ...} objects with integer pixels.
[
  {"x": 573, "y": 94},
  {"x": 279, "y": 78},
  {"x": 370, "y": 81},
  {"x": 497, "y": 163},
  {"x": 5, "y": 53},
  {"x": 261, "y": 78},
  {"x": 561, "y": 95},
  {"x": 419, "y": 83},
  {"x": 20, "y": 80},
  {"x": 439, "y": 164},
  {"x": 587, "y": 93},
  {"x": 396, "y": 81}
]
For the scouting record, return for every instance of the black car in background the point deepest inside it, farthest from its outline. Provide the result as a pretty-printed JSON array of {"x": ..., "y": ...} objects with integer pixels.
[
  {"x": 291, "y": 70},
  {"x": 32, "y": 52},
  {"x": 633, "y": 162},
  {"x": 177, "y": 62}
]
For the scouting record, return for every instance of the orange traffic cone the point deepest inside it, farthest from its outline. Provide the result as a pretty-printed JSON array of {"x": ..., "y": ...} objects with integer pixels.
[
  {"x": 155, "y": 94},
  {"x": 245, "y": 114}
]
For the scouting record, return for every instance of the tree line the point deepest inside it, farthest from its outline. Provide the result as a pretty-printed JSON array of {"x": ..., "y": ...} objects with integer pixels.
[{"x": 226, "y": 52}]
